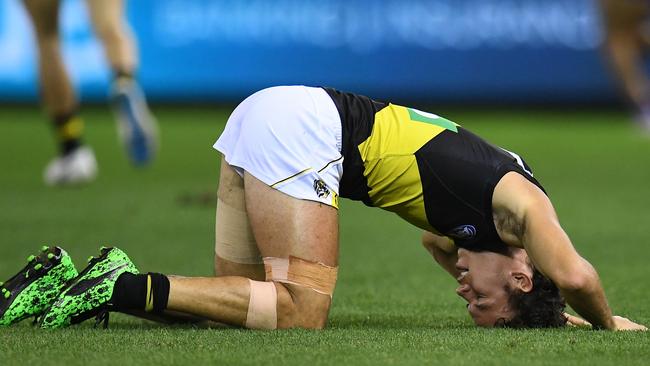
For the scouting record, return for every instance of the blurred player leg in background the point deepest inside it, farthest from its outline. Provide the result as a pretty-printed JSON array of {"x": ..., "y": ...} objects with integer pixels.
[
  {"x": 75, "y": 162},
  {"x": 627, "y": 37},
  {"x": 136, "y": 125}
]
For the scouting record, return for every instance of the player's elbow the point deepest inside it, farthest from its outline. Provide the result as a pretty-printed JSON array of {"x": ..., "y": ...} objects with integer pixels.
[
  {"x": 573, "y": 282},
  {"x": 580, "y": 278}
]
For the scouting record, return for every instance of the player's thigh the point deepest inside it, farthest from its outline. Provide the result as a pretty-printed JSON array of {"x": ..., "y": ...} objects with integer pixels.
[
  {"x": 44, "y": 15},
  {"x": 236, "y": 252},
  {"x": 286, "y": 226}
]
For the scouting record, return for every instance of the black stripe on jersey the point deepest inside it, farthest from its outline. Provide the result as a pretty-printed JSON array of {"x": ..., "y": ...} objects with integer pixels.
[
  {"x": 459, "y": 172},
  {"x": 357, "y": 114}
]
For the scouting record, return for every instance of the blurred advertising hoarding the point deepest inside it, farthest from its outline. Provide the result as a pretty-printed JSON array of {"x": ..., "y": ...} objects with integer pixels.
[{"x": 434, "y": 50}]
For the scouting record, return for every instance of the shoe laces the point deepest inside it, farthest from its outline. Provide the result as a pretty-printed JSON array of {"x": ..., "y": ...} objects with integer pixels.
[
  {"x": 103, "y": 251},
  {"x": 40, "y": 263},
  {"x": 102, "y": 316}
]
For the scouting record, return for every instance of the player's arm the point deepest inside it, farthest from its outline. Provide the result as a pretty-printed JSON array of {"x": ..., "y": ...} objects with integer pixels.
[
  {"x": 525, "y": 217},
  {"x": 443, "y": 250}
]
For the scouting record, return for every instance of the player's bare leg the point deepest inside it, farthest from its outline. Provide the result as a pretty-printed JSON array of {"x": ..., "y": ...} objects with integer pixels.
[
  {"x": 56, "y": 88},
  {"x": 283, "y": 227},
  {"x": 137, "y": 127},
  {"x": 625, "y": 45},
  {"x": 74, "y": 164},
  {"x": 231, "y": 234},
  {"x": 287, "y": 227},
  {"x": 302, "y": 234},
  {"x": 115, "y": 34}
]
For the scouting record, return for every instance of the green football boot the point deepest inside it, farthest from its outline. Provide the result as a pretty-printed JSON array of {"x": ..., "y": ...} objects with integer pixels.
[
  {"x": 32, "y": 290},
  {"x": 90, "y": 293}
]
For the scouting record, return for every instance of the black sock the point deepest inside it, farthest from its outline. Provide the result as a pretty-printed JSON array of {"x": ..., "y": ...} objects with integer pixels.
[
  {"x": 69, "y": 128},
  {"x": 148, "y": 292}
]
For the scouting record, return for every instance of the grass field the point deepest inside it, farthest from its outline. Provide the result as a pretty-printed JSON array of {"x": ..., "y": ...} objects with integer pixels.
[{"x": 392, "y": 305}]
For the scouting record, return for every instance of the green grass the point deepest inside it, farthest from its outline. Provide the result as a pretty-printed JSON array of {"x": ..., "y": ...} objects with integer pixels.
[{"x": 392, "y": 304}]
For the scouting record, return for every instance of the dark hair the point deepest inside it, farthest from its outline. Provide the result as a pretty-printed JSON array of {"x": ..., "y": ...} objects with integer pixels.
[{"x": 542, "y": 307}]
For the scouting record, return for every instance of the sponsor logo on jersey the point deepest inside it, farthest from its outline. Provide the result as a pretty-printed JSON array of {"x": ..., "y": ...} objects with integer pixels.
[
  {"x": 463, "y": 232},
  {"x": 320, "y": 188}
]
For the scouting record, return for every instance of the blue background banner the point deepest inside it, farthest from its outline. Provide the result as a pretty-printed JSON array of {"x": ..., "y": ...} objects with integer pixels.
[{"x": 433, "y": 50}]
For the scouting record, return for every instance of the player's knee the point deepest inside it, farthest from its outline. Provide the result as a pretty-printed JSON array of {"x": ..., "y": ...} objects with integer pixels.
[
  {"x": 296, "y": 294},
  {"x": 274, "y": 305},
  {"x": 301, "y": 307},
  {"x": 305, "y": 291}
]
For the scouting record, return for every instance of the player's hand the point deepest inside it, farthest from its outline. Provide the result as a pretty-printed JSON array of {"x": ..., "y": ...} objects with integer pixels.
[
  {"x": 626, "y": 324},
  {"x": 575, "y": 321},
  {"x": 620, "y": 322}
]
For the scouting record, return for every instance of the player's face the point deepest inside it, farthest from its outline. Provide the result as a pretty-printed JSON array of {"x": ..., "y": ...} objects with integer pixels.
[{"x": 483, "y": 279}]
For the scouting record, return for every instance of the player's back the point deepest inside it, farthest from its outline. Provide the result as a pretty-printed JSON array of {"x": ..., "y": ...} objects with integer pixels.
[{"x": 427, "y": 169}]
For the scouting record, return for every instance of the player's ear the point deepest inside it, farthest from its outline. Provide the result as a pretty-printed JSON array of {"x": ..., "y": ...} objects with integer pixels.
[{"x": 522, "y": 281}]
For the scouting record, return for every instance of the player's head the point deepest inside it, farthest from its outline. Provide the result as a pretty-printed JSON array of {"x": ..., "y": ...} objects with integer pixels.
[{"x": 502, "y": 288}]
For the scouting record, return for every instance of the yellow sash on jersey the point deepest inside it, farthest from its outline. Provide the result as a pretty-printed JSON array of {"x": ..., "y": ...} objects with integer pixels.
[{"x": 389, "y": 160}]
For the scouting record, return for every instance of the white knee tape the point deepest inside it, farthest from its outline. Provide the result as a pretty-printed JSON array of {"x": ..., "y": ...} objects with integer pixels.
[
  {"x": 234, "y": 237},
  {"x": 262, "y": 306}
]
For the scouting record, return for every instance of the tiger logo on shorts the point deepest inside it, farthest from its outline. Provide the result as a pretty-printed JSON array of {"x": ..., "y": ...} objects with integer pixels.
[{"x": 321, "y": 189}]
